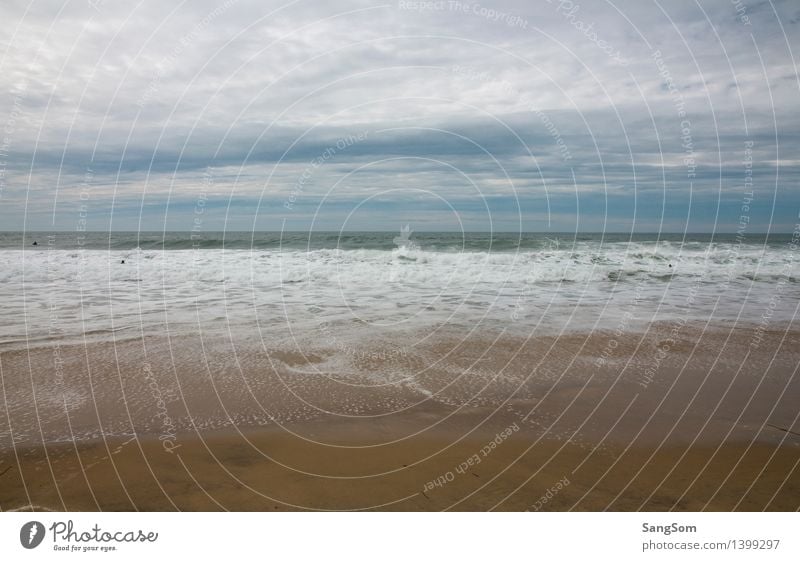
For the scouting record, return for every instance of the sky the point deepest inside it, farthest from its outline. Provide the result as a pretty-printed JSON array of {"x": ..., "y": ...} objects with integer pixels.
[{"x": 537, "y": 115}]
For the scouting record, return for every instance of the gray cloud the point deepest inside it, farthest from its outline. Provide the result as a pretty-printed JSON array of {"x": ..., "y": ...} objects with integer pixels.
[{"x": 473, "y": 102}]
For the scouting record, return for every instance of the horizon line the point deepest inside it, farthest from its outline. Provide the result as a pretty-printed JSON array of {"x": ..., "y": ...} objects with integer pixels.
[{"x": 550, "y": 232}]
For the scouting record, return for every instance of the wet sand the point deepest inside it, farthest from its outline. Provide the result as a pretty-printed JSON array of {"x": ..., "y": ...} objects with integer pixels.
[
  {"x": 273, "y": 471},
  {"x": 691, "y": 419}
]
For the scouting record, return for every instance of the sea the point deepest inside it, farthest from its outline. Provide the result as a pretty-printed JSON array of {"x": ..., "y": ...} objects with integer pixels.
[{"x": 78, "y": 286}]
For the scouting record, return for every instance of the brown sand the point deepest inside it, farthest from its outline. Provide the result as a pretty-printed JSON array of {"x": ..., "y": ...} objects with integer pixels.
[
  {"x": 226, "y": 472},
  {"x": 711, "y": 424}
]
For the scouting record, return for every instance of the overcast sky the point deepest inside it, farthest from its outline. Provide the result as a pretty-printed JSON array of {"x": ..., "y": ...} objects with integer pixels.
[{"x": 535, "y": 115}]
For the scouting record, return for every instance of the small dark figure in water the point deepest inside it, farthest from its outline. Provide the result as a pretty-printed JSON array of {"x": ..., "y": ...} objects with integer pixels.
[
  {"x": 123, "y": 262},
  {"x": 670, "y": 265},
  {"x": 35, "y": 243}
]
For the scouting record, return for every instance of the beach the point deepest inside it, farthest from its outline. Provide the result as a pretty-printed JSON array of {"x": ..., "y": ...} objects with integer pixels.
[
  {"x": 408, "y": 372},
  {"x": 535, "y": 258},
  {"x": 675, "y": 417}
]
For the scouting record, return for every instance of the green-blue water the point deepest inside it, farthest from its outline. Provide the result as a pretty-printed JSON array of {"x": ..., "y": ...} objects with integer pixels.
[{"x": 428, "y": 241}]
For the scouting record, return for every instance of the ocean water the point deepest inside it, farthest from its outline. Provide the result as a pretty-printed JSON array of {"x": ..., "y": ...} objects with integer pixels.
[
  {"x": 74, "y": 288},
  {"x": 247, "y": 330}
]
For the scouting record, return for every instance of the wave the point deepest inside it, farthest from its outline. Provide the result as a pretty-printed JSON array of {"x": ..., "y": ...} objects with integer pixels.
[
  {"x": 98, "y": 293},
  {"x": 382, "y": 241}
]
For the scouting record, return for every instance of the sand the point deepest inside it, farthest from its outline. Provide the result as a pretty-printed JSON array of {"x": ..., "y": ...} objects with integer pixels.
[{"x": 692, "y": 419}]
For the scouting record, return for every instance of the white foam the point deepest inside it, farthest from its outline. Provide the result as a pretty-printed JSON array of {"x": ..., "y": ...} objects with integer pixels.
[{"x": 55, "y": 295}]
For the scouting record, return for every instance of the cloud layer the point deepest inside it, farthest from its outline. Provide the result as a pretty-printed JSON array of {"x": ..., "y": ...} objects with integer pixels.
[{"x": 367, "y": 115}]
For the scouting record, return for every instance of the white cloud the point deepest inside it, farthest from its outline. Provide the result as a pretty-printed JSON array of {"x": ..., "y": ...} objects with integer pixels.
[{"x": 140, "y": 91}]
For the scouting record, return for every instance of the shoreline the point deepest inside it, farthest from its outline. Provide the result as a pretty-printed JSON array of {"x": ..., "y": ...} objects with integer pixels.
[{"x": 715, "y": 427}]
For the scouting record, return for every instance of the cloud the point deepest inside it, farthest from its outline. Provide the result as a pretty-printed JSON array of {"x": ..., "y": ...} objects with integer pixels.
[{"x": 620, "y": 113}]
